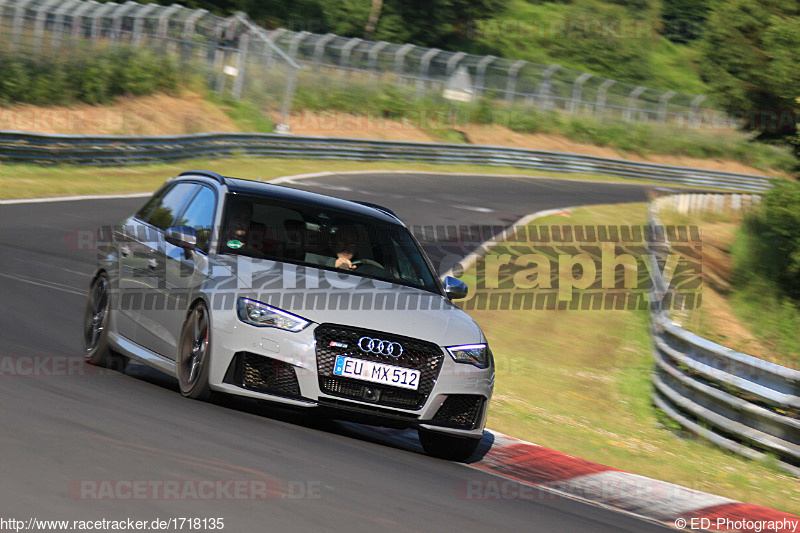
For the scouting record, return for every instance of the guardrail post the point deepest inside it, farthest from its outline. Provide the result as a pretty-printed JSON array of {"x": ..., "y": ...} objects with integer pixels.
[
  {"x": 577, "y": 90},
  {"x": 511, "y": 82},
  {"x": 663, "y": 100},
  {"x": 480, "y": 80},
  {"x": 630, "y": 113},
  {"x": 602, "y": 93},
  {"x": 424, "y": 64},
  {"x": 319, "y": 48}
]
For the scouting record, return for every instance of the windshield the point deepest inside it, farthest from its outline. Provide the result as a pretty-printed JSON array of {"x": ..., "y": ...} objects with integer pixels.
[{"x": 324, "y": 238}]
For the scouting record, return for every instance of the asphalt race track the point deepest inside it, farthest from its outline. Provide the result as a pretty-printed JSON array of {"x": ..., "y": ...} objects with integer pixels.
[{"x": 69, "y": 426}]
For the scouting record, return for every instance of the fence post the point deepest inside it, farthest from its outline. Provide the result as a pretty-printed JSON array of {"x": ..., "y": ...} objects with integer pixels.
[
  {"x": 98, "y": 16},
  {"x": 663, "y": 100},
  {"x": 138, "y": 22},
  {"x": 399, "y": 59},
  {"x": 41, "y": 17},
  {"x": 294, "y": 45},
  {"x": 423, "y": 70},
  {"x": 78, "y": 17},
  {"x": 630, "y": 113},
  {"x": 163, "y": 20},
  {"x": 602, "y": 92},
  {"x": 372, "y": 56},
  {"x": 511, "y": 82},
  {"x": 346, "y": 50},
  {"x": 453, "y": 62},
  {"x": 319, "y": 48},
  {"x": 288, "y": 95},
  {"x": 695, "y": 110},
  {"x": 61, "y": 22},
  {"x": 577, "y": 91},
  {"x": 191, "y": 21},
  {"x": 19, "y": 21},
  {"x": 117, "y": 16},
  {"x": 544, "y": 86},
  {"x": 480, "y": 82},
  {"x": 241, "y": 65}
]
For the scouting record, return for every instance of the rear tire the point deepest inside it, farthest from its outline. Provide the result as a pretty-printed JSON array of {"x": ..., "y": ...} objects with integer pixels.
[
  {"x": 194, "y": 354},
  {"x": 96, "y": 350},
  {"x": 448, "y": 447}
]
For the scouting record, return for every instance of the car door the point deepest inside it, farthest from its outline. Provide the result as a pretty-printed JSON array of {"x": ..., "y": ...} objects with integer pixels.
[
  {"x": 186, "y": 271},
  {"x": 149, "y": 265}
]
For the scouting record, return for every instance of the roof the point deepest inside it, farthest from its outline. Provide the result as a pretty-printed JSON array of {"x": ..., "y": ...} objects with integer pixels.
[{"x": 280, "y": 192}]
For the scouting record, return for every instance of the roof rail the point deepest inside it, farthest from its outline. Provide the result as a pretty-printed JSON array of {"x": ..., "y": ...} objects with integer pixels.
[
  {"x": 205, "y": 173},
  {"x": 380, "y": 208}
]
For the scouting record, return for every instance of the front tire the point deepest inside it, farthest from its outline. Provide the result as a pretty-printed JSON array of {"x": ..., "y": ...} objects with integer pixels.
[
  {"x": 96, "y": 350},
  {"x": 448, "y": 447},
  {"x": 194, "y": 354}
]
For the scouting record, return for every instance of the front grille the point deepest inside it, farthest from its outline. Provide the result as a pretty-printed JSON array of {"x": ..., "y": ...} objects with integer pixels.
[
  {"x": 459, "y": 411},
  {"x": 264, "y": 374},
  {"x": 420, "y": 355}
]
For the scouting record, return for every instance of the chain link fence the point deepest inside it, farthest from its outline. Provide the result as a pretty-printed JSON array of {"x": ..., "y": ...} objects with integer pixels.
[
  {"x": 461, "y": 76},
  {"x": 235, "y": 56},
  {"x": 242, "y": 60}
]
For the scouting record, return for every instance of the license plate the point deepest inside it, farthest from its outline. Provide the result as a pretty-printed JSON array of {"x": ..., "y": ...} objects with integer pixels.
[{"x": 395, "y": 376}]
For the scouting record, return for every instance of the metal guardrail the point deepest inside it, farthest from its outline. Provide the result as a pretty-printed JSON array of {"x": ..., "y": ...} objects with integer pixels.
[
  {"x": 740, "y": 402},
  {"x": 49, "y": 149}
]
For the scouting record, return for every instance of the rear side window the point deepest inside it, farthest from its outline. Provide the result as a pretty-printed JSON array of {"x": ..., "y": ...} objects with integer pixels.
[
  {"x": 162, "y": 210},
  {"x": 200, "y": 216}
]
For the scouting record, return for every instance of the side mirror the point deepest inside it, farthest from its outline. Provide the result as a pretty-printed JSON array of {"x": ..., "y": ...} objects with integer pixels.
[
  {"x": 182, "y": 237},
  {"x": 455, "y": 289}
]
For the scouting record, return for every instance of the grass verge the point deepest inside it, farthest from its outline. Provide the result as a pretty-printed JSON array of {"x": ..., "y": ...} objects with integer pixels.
[
  {"x": 752, "y": 317},
  {"x": 30, "y": 181},
  {"x": 580, "y": 382}
]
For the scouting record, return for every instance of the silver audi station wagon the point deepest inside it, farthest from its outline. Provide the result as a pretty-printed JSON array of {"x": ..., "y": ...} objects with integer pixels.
[{"x": 264, "y": 291}]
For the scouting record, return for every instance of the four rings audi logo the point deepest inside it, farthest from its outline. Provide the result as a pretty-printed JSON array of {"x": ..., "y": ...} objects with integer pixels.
[{"x": 380, "y": 347}]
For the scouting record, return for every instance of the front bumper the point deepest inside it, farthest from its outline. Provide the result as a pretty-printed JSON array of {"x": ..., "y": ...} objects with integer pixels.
[{"x": 455, "y": 398}]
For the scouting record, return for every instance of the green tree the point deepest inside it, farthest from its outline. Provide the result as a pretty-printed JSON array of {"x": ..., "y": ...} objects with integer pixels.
[
  {"x": 749, "y": 57},
  {"x": 684, "y": 20}
]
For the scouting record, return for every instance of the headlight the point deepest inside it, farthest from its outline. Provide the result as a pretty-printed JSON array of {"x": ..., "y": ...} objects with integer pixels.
[
  {"x": 265, "y": 316},
  {"x": 471, "y": 354}
]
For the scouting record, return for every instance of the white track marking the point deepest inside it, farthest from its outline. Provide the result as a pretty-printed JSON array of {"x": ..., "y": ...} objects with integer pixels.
[
  {"x": 45, "y": 283},
  {"x": 474, "y": 208},
  {"x": 75, "y": 198}
]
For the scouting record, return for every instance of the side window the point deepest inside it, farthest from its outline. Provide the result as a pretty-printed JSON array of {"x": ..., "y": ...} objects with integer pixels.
[
  {"x": 200, "y": 216},
  {"x": 162, "y": 214}
]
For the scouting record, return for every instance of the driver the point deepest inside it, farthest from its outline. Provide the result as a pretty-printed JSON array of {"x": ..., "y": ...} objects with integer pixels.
[{"x": 344, "y": 256}]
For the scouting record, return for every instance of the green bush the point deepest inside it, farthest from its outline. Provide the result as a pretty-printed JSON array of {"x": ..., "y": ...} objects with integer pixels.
[
  {"x": 772, "y": 241},
  {"x": 89, "y": 76}
]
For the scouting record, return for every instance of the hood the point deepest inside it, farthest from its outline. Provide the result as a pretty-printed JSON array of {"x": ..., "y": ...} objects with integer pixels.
[{"x": 324, "y": 296}]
